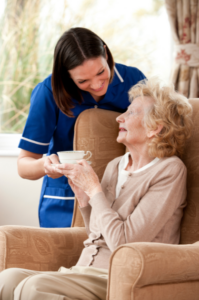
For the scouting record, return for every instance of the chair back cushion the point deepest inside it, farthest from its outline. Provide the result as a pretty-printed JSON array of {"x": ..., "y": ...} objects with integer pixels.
[
  {"x": 190, "y": 221},
  {"x": 96, "y": 130}
]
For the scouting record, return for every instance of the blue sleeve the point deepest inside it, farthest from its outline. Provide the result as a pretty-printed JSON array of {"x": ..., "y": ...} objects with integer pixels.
[
  {"x": 41, "y": 121},
  {"x": 134, "y": 75}
]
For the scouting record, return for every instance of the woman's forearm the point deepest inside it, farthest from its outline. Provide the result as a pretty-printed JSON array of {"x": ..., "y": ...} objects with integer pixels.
[
  {"x": 86, "y": 212},
  {"x": 34, "y": 166},
  {"x": 31, "y": 168}
]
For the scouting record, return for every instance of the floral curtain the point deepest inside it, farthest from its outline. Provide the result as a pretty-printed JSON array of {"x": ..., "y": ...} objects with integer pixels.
[{"x": 184, "y": 21}]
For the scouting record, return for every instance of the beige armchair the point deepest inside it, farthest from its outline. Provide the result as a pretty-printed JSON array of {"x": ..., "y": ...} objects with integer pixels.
[{"x": 138, "y": 270}]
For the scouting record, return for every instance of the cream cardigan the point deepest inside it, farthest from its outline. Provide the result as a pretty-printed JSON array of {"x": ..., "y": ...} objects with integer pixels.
[
  {"x": 123, "y": 174},
  {"x": 149, "y": 208}
]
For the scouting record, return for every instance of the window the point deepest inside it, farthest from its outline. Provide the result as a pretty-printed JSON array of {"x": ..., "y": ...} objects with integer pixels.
[{"x": 137, "y": 32}]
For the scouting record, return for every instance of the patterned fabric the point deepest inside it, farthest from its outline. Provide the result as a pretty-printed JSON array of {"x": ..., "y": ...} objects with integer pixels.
[
  {"x": 148, "y": 271},
  {"x": 40, "y": 249},
  {"x": 184, "y": 21},
  {"x": 190, "y": 222}
]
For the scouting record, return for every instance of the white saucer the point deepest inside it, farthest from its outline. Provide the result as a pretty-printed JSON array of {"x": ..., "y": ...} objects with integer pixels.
[{"x": 89, "y": 162}]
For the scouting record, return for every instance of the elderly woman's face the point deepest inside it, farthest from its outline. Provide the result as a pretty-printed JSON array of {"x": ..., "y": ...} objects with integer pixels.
[{"x": 131, "y": 123}]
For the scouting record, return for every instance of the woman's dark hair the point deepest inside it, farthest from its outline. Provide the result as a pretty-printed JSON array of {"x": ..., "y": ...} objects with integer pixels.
[{"x": 74, "y": 47}]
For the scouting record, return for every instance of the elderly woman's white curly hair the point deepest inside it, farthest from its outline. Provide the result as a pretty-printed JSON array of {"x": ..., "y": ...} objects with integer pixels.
[{"x": 170, "y": 109}]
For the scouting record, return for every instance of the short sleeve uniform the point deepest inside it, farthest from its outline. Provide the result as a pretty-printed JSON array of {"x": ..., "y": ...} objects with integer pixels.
[{"x": 48, "y": 131}]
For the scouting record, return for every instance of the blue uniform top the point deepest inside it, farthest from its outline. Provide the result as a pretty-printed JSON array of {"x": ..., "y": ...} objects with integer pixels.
[{"x": 48, "y": 130}]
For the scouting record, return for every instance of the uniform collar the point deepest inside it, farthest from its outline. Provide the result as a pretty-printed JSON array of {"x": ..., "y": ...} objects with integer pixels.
[
  {"x": 117, "y": 78},
  {"x": 111, "y": 91}
]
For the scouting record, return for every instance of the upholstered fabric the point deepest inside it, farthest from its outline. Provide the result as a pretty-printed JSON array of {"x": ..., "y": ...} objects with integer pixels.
[
  {"x": 154, "y": 271},
  {"x": 96, "y": 130},
  {"x": 39, "y": 248},
  {"x": 190, "y": 222}
]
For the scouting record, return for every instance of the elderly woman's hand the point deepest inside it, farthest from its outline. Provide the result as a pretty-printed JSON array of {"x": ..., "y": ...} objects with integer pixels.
[
  {"x": 82, "y": 175},
  {"x": 81, "y": 196}
]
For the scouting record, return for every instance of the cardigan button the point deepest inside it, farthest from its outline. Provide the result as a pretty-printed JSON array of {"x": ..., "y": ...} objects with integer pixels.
[
  {"x": 130, "y": 174},
  {"x": 122, "y": 187}
]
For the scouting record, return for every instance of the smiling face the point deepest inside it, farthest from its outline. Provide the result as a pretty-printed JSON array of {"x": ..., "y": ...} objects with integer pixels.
[
  {"x": 132, "y": 131},
  {"x": 92, "y": 76}
]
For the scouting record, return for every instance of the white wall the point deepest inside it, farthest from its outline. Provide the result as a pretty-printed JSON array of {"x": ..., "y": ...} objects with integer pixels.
[{"x": 19, "y": 198}]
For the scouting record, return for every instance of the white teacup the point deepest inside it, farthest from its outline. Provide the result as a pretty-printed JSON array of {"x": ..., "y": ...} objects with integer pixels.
[
  {"x": 73, "y": 155},
  {"x": 69, "y": 161}
]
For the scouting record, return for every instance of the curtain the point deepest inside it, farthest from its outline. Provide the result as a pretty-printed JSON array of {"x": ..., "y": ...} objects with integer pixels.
[{"x": 184, "y": 21}]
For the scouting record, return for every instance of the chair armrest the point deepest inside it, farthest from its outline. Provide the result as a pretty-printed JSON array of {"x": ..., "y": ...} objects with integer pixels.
[
  {"x": 154, "y": 271},
  {"x": 41, "y": 249}
]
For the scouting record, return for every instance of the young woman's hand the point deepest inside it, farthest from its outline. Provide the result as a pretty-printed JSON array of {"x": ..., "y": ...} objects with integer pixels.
[
  {"x": 82, "y": 175},
  {"x": 48, "y": 168}
]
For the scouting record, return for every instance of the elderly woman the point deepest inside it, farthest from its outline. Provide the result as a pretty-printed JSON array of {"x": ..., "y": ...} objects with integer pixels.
[{"x": 140, "y": 199}]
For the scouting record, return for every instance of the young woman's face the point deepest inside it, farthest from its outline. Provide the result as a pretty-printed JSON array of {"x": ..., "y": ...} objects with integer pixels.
[{"x": 92, "y": 76}]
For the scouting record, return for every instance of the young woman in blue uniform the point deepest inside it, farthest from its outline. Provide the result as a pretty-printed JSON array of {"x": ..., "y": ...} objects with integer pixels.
[{"x": 84, "y": 76}]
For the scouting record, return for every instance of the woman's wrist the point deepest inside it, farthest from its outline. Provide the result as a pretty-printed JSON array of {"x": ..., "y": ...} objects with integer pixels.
[
  {"x": 92, "y": 192},
  {"x": 82, "y": 205},
  {"x": 83, "y": 201}
]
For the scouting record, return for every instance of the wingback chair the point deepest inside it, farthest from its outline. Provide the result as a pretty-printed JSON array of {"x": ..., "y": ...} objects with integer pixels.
[{"x": 137, "y": 271}]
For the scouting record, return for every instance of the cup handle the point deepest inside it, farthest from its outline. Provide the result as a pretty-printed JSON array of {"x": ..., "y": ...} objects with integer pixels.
[{"x": 88, "y": 152}]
